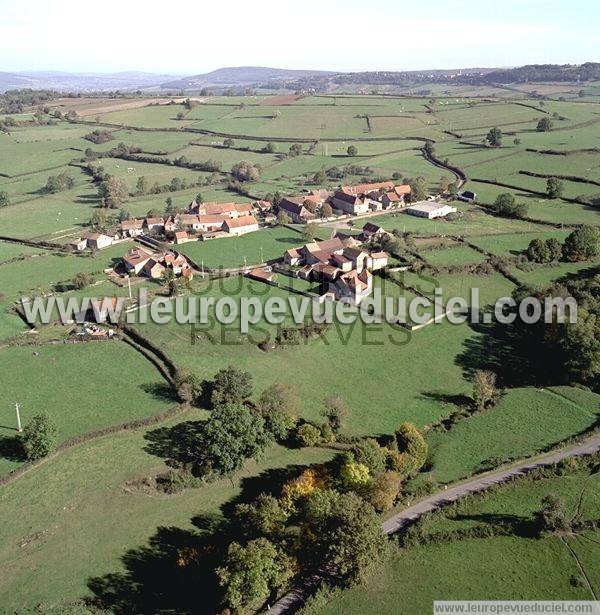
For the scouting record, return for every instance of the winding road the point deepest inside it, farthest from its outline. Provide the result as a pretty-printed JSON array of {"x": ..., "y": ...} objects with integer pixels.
[{"x": 294, "y": 599}]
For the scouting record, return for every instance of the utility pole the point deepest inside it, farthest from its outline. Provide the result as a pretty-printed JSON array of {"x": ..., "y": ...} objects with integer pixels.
[{"x": 19, "y": 428}]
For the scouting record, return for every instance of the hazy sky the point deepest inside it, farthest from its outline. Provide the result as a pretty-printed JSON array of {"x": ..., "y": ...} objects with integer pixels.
[{"x": 184, "y": 37}]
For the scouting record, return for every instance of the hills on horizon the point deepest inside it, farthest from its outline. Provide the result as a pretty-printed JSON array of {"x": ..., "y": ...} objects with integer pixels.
[{"x": 288, "y": 79}]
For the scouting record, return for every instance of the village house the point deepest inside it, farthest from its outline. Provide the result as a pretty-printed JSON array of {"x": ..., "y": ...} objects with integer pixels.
[
  {"x": 263, "y": 206},
  {"x": 362, "y": 198},
  {"x": 132, "y": 228},
  {"x": 379, "y": 260},
  {"x": 188, "y": 222},
  {"x": 241, "y": 225},
  {"x": 176, "y": 261},
  {"x": 372, "y": 232},
  {"x": 295, "y": 209},
  {"x": 181, "y": 237},
  {"x": 135, "y": 259},
  {"x": 212, "y": 222},
  {"x": 101, "y": 309},
  {"x": 350, "y": 203},
  {"x": 171, "y": 225},
  {"x": 226, "y": 210},
  {"x": 292, "y": 257},
  {"x": 154, "y": 224},
  {"x": 467, "y": 196},
  {"x": 353, "y": 286},
  {"x": 98, "y": 241},
  {"x": 430, "y": 210},
  {"x": 153, "y": 269}
]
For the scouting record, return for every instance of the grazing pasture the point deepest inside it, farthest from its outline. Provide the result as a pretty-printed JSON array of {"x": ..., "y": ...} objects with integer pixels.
[{"x": 78, "y": 399}]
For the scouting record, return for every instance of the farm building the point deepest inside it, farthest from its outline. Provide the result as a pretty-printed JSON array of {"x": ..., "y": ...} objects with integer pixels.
[
  {"x": 430, "y": 210},
  {"x": 467, "y": 196},
  {"x": 98, "y": 241},
  {"x": 78, "y": 244},
  {"x": 241, "y": 225},
  {"x": 295, "y": 209}
]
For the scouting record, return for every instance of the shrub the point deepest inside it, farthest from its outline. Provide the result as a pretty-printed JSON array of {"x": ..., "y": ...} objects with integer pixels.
[
  {"x": 381, "y": 493},
  {"x": 369, "y": 453},
  {"x": 187, "y": 386},
  {"x": 353, "y": 475},
  {"x": 308, "y": 435},
  {"x": 39, "y": 437},
  {"x": 279, "y": 407},
  {"x": 412, "y": 444}
]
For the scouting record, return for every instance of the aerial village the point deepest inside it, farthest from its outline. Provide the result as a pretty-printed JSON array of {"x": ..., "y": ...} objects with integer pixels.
[{"x": 340, "y": 267}]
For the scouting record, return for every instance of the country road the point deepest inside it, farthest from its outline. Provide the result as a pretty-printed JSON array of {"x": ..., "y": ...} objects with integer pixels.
[{"x": 294, "y": 599}]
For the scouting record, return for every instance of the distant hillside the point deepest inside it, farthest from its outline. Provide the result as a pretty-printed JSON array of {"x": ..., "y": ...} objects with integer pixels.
[
  {"x": 544, "y": 72},
  {"x": 240, "y": 76},
  {"x": 80, "y": 82}
]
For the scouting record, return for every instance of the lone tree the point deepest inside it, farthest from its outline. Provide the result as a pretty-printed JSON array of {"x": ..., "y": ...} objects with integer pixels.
[
  {"x": 506, "y": 205},
  {"x": 352, "y": 151},
  {"x": 494, "y": 137},
  {"x": 252, "y": 572},
  {"x": 39, "y": 437},
  {"x": 245, "y": 171},
  {"x": 326, "y": 210},
  {"x": 4, "y": 198},
  {"x": 228, "y": 142},
  {"x": 485, "y": 393},
  {"x": 295, "y": 150},
  {"x": 82, "y": 280},
  {"x": 554, "y": 188},
  {"x": 283, "y": 217},
  {"x": 232, "y": 434},
  {"x": 279, "y": 406},
  {"x": 336, "y": 412},
  {"x": 544, "y": 125},
  {"x": 418, "y": 189},
  {"x": 231, "y": 386},
  {"x": 412, "y": 449}
]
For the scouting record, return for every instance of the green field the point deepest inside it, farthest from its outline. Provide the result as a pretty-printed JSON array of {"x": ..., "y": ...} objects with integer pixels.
[
  {"x": 53, "y": 509},
  {"x": 69, "y": 524},
  {"x": 472, "y": 443},
  {"x": 88, "y": 388},
  {"x": 253, "y": 248}
]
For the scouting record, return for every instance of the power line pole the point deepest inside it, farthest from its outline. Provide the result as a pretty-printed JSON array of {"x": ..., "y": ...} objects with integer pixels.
[{"x": 19, "y": 428}]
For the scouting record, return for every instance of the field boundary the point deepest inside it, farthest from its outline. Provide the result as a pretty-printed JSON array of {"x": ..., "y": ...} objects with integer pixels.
[{"x": 93, "y": 435}]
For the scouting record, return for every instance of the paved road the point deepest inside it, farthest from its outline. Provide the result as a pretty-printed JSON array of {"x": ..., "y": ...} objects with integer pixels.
[{"x": 295, "y": 598}]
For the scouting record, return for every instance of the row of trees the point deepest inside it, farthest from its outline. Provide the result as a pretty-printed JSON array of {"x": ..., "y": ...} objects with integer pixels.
[{"x": 580, "y": 245}]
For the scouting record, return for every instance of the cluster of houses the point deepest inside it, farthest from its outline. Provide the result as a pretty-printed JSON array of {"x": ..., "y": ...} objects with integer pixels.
[
  {"x": 141, "y": 261},
  {"x": 353, "y": 200},
  {"x": 340, "y": 263},
  {"x": 205, "y": 219}
]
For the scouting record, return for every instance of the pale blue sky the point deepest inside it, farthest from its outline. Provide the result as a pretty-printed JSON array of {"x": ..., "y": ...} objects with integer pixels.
[{"x": 188, "y": 37}]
